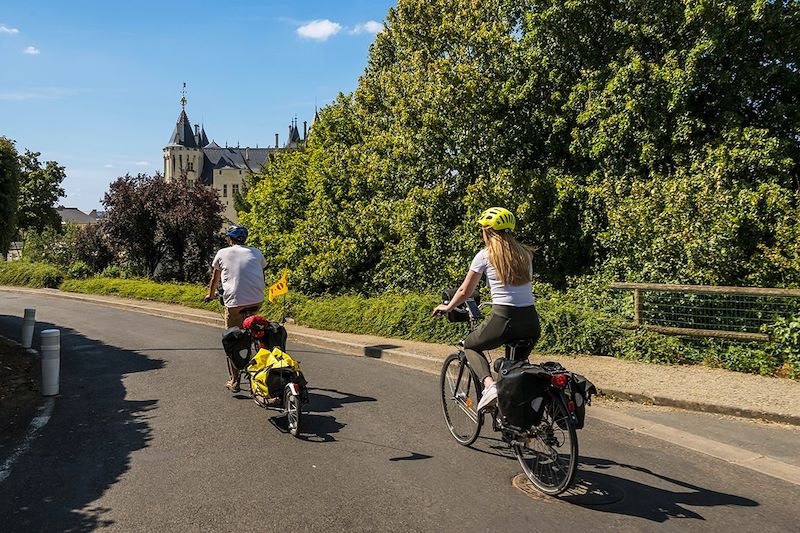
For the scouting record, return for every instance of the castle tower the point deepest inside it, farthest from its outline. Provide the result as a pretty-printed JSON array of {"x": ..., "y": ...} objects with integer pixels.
[{"x": 183, "y": 156}]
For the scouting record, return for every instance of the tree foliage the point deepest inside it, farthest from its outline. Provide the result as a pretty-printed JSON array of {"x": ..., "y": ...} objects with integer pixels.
[
  {"x": 9, "y": 192},
  {"x": 164, "y": 229},
  {"x": 39, "y": 191},
  {"x": 652, "y": 141}
]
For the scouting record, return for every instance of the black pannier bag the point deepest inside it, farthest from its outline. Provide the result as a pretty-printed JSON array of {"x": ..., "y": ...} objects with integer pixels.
[
  {"x": 459, "y": 314},
  {"x": 274, "y": 336},
  {"x": 521, "y": 392},
  {"x": 582, "y": 391},
  {"x": 237, "y": 342},
  {"x": 278, "y": 378}
]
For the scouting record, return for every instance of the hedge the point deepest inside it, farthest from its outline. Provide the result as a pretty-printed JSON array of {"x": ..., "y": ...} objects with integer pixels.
[{"x": 26, "y": 274}]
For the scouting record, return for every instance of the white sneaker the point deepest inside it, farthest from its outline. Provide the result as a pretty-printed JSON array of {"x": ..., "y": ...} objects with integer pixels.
[{"x": 489, "y": 397}]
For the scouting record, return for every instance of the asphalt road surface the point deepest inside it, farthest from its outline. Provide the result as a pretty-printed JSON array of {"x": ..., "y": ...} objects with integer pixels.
[{"x": 144, "y": 437}]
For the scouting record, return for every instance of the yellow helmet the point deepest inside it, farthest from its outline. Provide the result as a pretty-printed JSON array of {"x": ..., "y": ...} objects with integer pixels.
[{"x": 498, "y": 218}]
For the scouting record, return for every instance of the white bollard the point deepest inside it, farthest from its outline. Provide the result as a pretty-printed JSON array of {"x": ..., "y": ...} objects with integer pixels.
[
  {"x": 28, "y": 322},
  {"x": 51, "y": 361}
]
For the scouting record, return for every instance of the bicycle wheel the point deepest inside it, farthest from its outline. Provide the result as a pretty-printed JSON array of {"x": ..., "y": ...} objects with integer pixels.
[
  {"x": 293, "y": 411},
  {"x": 460, "y": 400},
  {"x": 549, "y": 454}
]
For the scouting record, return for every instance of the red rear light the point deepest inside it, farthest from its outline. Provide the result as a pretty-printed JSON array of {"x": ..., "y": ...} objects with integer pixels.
[
  {"x": 559, "y": 380},
  {"x": 571, "y": 406}
]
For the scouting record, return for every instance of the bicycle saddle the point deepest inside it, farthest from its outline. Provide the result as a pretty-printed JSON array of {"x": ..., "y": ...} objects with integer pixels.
[{"x": 519, "y": 349}]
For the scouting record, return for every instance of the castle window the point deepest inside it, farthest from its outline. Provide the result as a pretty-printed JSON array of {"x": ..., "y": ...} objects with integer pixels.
[
  {"x": 224, "y": 190},
  {"x": 190, "y": 165},
  {"x": 191, "y": 182},
  {"x": 235, "y": 189}
]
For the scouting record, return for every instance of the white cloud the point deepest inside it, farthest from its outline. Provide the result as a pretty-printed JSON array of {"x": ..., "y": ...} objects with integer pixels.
[
  {"x": 6, "y": 29},
  {"x": 31, "y": 51},
  {"x": 319, "y": 30},
  {"x": 109, "y": 165},
  {"x": 142, "y": 164},
  {"x": 371, "y": 26}
]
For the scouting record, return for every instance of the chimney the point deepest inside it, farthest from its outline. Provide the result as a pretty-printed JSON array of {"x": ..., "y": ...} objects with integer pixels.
[
  {"x": 305, "y": 129},
  {"x": 197, "y": 130},
  {"x": 276, "y": 140},
  {"x": 247, "y": 153}
]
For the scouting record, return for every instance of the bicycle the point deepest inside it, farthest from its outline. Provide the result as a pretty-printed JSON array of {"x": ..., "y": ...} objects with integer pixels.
[{"x": 545, "y": 442}]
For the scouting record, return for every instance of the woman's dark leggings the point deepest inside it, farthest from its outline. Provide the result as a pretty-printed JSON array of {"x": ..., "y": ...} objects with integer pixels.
[{"x": 505, "y": 324}]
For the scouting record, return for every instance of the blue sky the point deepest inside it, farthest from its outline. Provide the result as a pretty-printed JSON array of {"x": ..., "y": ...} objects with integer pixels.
[{"x": 96, "y": 85}]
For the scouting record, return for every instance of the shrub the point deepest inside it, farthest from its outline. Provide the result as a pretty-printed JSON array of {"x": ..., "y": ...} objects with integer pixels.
[
  {"x": 111, "y": 271},
  {"x": 785, "y": 344},
  {"x": 79, "y": 270},
  {"x": 27, "y": 274}
]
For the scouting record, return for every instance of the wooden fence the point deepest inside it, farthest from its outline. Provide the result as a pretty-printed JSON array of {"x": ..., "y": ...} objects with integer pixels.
[{"x": 755, "y": 296}]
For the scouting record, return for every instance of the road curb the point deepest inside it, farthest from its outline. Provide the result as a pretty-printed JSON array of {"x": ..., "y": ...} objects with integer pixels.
[
  {"x": 699, "y": 406},
  {"x": 431, "y": 365}
]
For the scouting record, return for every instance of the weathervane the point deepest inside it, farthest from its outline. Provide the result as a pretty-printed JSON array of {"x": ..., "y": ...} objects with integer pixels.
[{"x": 183, "y": 96}]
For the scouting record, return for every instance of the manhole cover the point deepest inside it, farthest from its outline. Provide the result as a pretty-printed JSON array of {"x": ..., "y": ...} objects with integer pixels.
[{"x": 584, "y": 491}]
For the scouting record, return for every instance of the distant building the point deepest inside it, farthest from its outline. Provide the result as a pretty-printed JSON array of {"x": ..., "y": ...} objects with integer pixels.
[
  {"x": 73, "y": 215},
  {"x": 191, "y": 155}
]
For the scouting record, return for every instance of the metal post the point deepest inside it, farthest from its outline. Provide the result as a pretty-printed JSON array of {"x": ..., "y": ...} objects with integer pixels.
[
  {"x": 637, "y": 307},
  {"x": 51, "y": 361},
  {"x": 28, "y": 323}
]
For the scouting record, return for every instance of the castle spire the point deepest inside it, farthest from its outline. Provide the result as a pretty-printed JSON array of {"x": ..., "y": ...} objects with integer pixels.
[{"x": 183, "y": 96}]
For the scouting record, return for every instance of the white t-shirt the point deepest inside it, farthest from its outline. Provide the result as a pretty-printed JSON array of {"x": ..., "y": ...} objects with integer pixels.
[
  {"x": 513, "y": 295},
  {"x": 242, "y": 274}
]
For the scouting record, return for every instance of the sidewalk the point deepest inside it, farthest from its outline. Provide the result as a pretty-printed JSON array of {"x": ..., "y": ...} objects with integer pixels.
[{"x": 688, "y": 387}]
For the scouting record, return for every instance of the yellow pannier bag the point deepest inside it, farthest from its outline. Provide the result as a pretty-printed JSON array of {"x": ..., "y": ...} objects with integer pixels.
[{"x": 264, "y": 371}]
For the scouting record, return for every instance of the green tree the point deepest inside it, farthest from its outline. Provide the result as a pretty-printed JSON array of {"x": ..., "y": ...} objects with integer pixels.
[
  {"x": 39, "y": 190},
  {"x": 9, "y": 192},
  {"x": 654, "y": 141}
]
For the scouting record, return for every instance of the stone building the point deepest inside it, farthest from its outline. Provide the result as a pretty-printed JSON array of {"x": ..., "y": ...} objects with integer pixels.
[{"x": 190, "y": 154}]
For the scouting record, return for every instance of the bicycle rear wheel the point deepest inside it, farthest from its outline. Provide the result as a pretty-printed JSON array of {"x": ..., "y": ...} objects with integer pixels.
[
  {"x": 549, "y": 457},
  {"x": 460, "y": 400},
  {"x": 291, "y": 403}
]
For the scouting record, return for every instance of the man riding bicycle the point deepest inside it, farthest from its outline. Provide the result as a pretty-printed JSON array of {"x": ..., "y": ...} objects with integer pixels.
[{"x": 241, "y": 270}]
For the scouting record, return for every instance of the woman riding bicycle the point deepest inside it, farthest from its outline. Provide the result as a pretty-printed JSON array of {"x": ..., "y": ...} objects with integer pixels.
[{"x": 508, "y": 266}]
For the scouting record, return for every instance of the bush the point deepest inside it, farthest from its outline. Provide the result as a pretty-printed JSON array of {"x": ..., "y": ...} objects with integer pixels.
[
  {"x": 187, "y": 294},
  {"x": 112, "y": 271},
  {"x": 79, "y": 270},
  {"x": 27, "y": 274},
  {"x": 785, "y": 344},
  {"x": 406, "y": 316}
]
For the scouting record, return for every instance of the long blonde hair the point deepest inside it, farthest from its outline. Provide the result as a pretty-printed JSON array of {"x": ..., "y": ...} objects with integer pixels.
[{"x": 511, "y": 259}]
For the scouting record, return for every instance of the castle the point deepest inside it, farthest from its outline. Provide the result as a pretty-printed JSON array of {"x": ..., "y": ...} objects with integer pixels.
[{"x": 189, "y": 154}]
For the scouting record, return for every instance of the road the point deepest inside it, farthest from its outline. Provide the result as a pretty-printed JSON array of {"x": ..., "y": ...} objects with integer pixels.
[{"x": 144, "y": 437}]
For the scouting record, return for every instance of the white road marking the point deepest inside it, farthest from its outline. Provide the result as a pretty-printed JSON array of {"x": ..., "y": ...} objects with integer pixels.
[{"x": 39, "y": 421}]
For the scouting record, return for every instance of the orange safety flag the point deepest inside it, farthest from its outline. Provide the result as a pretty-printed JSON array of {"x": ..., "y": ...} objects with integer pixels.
[{"x": 280, "y": 287}]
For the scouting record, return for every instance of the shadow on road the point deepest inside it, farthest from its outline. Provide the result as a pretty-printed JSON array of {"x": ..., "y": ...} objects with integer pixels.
[
  {"x": 320, "y": 428},
  {"x": 650, "y": 499},
  {"x": 87, "y": 444}
]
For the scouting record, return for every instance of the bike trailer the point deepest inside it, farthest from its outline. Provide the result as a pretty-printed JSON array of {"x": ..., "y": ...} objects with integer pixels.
[{"x": 271, "y": 371}]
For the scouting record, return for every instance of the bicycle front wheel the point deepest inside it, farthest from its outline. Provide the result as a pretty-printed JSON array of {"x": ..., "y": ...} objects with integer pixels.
[
  {"x": 549, "y": 454},
  {"x": 460, "y": 400}
]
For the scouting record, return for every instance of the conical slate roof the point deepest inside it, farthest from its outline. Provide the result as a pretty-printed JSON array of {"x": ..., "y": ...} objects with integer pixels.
[
  {"x": 183, "y": 136},
  {"x": 203, "y": 138}
]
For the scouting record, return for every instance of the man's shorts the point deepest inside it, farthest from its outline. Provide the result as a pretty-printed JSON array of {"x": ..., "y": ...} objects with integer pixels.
[{"x": 233, "y": 315}]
